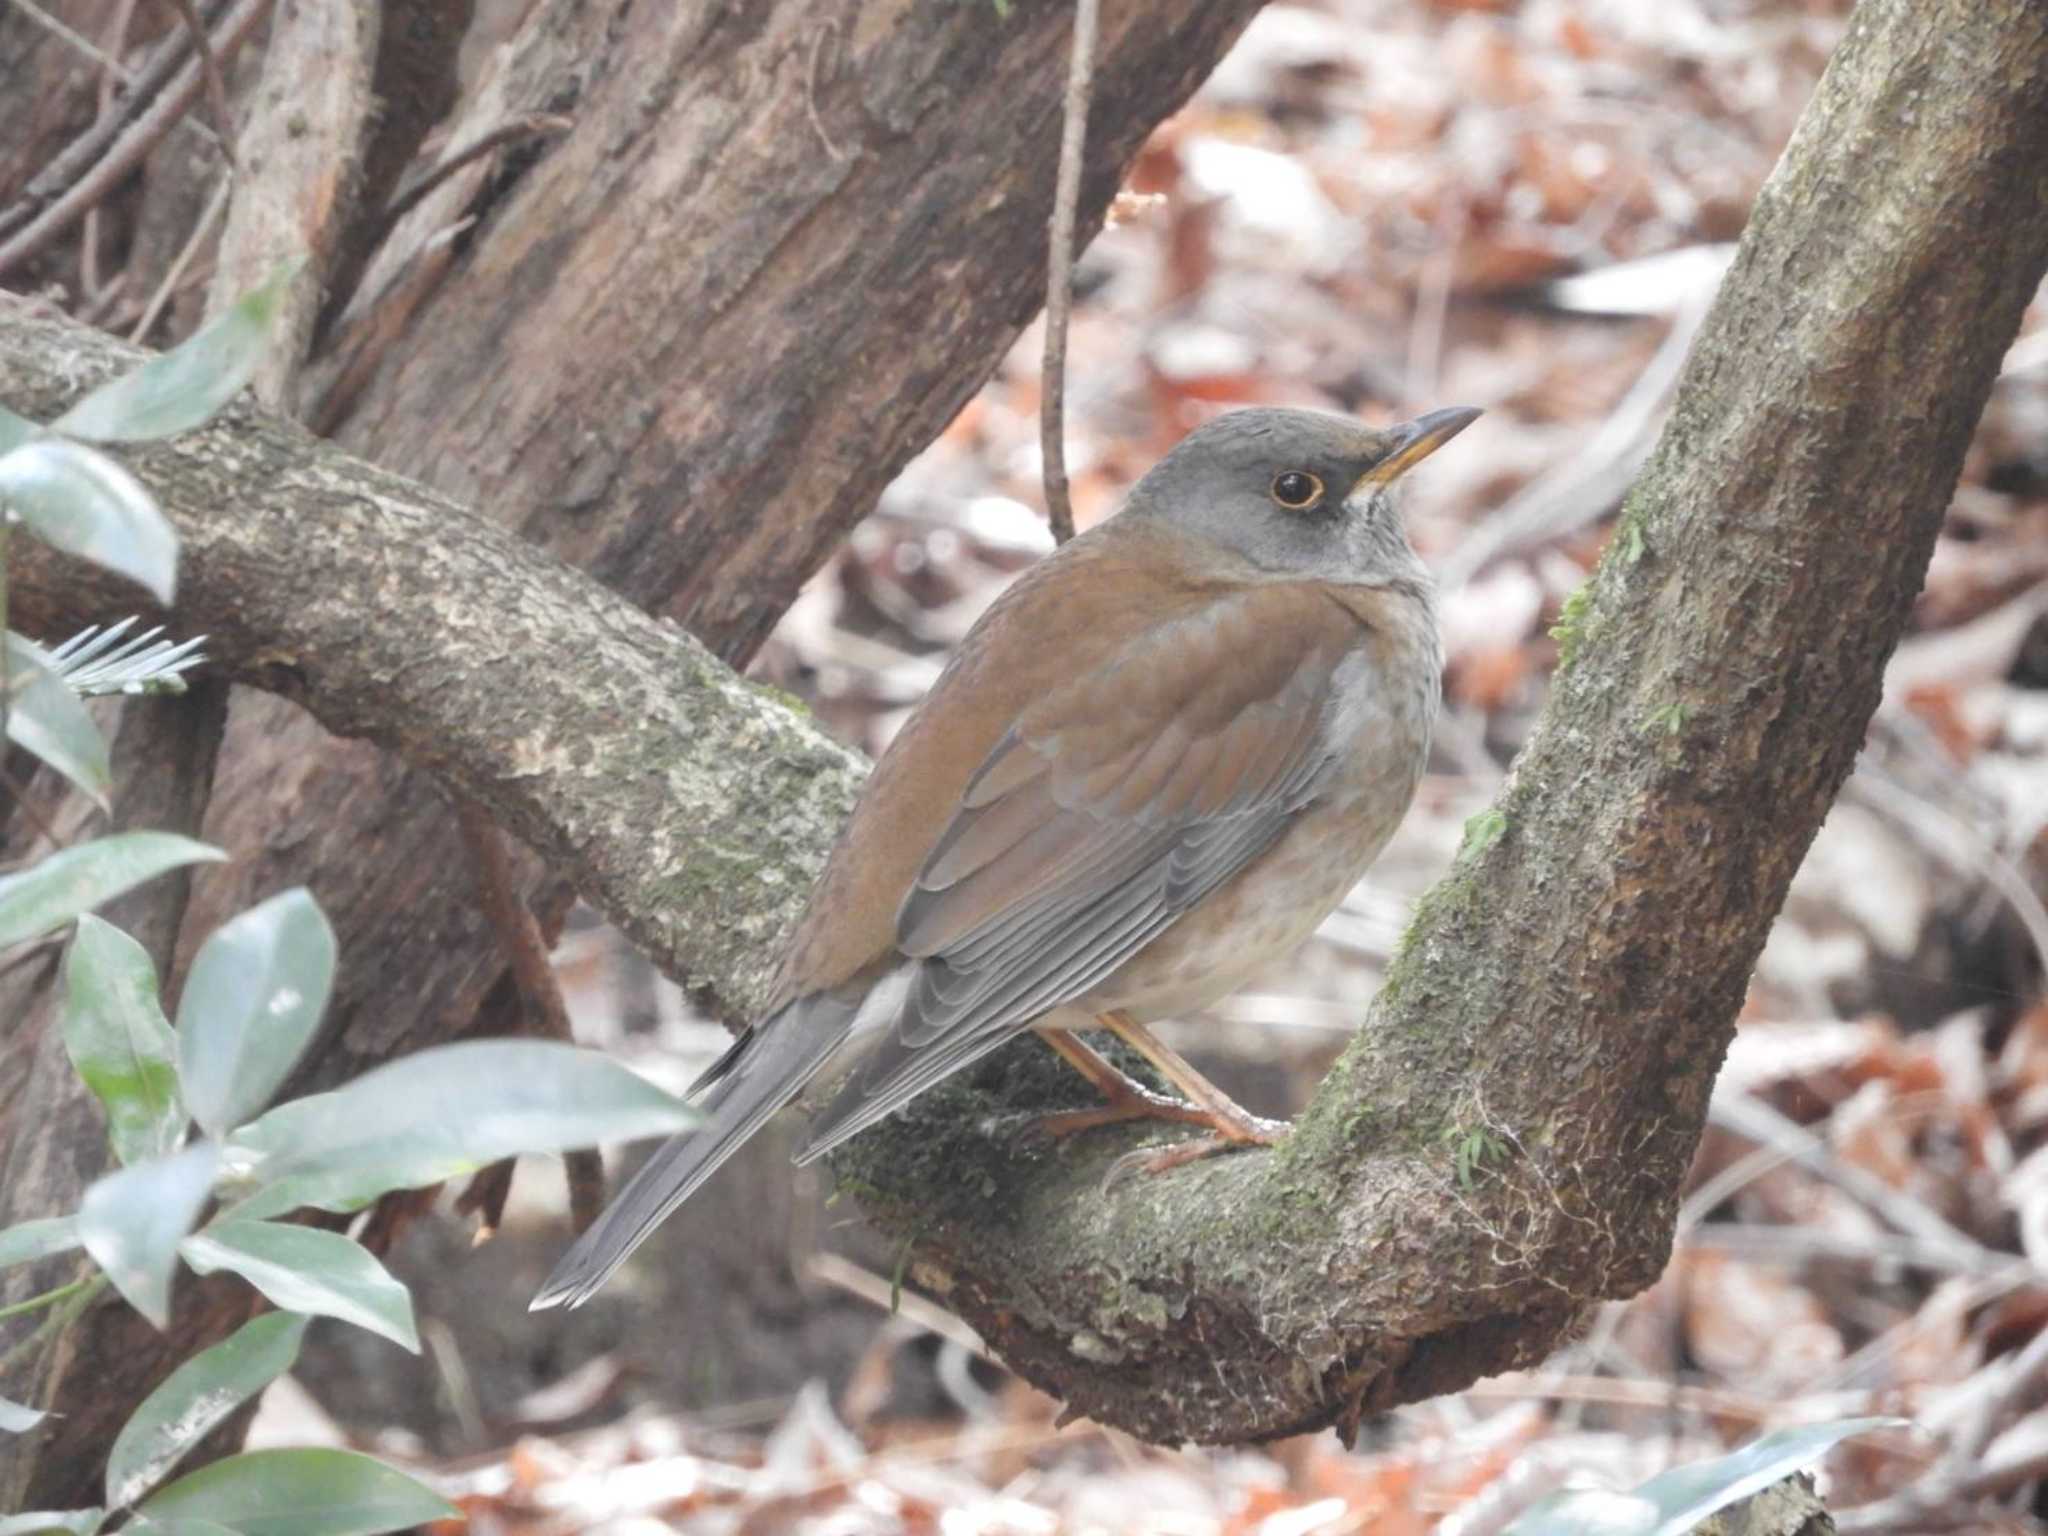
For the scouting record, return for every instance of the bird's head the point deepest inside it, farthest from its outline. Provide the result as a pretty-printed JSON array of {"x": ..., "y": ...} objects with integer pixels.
[{"x": 1301, "y": 494}]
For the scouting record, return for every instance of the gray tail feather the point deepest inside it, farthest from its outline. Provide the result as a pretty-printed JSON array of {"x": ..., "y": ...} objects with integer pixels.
[{"x": 760, "y": 1076}]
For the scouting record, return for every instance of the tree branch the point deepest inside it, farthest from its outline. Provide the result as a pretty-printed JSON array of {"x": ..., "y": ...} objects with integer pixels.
[
  {"x": 612, "y": 742},
  {"x": 1563, "y": 1000}
]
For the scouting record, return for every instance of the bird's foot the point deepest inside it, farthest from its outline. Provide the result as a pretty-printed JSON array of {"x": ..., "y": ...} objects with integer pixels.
[
  {"x": 1123, "y": 1100},
  {"x": 1126, "y": 1102},
  {"x": 1228, "y": 1135}
]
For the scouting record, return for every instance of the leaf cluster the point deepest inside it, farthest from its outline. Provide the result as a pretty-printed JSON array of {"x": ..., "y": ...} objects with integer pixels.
[{"x": 209, "y": 1170}]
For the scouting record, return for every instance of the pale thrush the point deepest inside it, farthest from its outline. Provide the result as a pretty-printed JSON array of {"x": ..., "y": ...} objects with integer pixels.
[{"x": 1152, "y": 769}]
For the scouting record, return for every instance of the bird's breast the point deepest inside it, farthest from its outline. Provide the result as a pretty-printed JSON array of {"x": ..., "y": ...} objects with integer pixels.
[{"x": 1381, "y": 711}]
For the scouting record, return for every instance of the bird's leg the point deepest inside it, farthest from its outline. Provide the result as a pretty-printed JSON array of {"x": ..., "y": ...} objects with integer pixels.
[
  {"x": 1122, "y": 1099},
  {"x": 1208, "y": 1105},
  {"x": 1220, "y": 1113}
]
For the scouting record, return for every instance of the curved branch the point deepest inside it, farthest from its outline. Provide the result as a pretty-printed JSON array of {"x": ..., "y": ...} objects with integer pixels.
[
  {"x": 1562, "y": 1002},
  {"x": 1563, "y": 999}
]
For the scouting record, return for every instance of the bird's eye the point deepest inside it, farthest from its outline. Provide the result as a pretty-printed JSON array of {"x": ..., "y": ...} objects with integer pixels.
[{"x": 1297, "y": 490}]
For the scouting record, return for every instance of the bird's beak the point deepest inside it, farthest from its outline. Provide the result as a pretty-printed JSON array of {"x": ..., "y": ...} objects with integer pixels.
[{"x": 1416, "y": 440}]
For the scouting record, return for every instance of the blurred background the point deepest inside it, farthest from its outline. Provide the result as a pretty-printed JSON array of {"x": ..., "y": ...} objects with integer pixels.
[{"x": 1381, "y": 207}]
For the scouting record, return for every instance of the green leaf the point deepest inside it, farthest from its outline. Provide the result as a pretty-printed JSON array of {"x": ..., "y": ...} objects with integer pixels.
[
  {"x": 77, "y": 879},
  {"x": 120, "y": 1041},
  {"x": 195, "y": 1399},
  {"x": 37, "y": 1239},
  {"x": 15, "y": 430},
  {"x": 19, "y": 1418},
  {"x": 86, "y": 504},
  {"x": 131, "y": 1223},
  {"x": 305, "y": 1270},
  {"x": 251, "y": 1002},
  {"x": 1685, "y": 1496},
  {"x": 45, "y": 717},
  {"x": 1673, "y": 1502},
  {"x": 73, "y": 1522},
  {"x": 441, "y": 1113},
  {"x": 301, "y": 1493},
  {"x": 180, "y": 389},
  {"x": 146, "y": 1525}
]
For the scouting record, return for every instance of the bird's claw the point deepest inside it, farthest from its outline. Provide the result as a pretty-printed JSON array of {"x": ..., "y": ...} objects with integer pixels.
[{"x": 1158, "y": 1159}]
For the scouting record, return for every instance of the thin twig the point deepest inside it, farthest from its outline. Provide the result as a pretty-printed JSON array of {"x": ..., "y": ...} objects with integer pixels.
[
  {"x": 845, "y": 1275},
  {"x": 19, "y": 792},
  {"x": 209, "y": 69},
  {"x": 83, "y": 152},
  {"x": 208, "y": 216},
  {"x": 1760, "y": 1123},
  {"x": 1059, "y": 275},
  {"x": 117, "y": 44},
  {"x": 1800, "y": 1245},
  {"x": 130, "y": 149},
  {"x": 532, "y": 125},
  {"x": 1626, "y": 1393},
  {"x": 90, "y": 287},
  {"x": 82, "y": 43},
  {"x": 547, "y": 1014}
]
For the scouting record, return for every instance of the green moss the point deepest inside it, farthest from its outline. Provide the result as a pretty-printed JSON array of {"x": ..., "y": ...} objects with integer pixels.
[
  {"x": 1629, "y": 544},
  {"x": 1474, "y": 1151},
  {"x": 896, "y": 1273},
  {"x": 1434, "y": 906},
  {"x": 844, "y": 1184},
  {"x": 1574, "y": 625},
  {"x": 1667, "y": 720},
  {"x": 782, "y": 696},
  {"x": 1482, "y": 832}
]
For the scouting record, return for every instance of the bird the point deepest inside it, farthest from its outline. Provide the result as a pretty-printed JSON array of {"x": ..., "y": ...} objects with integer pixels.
[{"x": 1154, "y": 766}]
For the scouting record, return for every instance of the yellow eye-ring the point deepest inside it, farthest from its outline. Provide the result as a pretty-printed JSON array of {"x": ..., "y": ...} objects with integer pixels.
[{"x": 1297, "y": 490}]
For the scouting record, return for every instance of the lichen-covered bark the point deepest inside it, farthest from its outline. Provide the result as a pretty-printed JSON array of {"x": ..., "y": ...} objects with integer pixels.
[
  {"x": 609, "y": 740},
  {"x": 1564, "y": 997}
]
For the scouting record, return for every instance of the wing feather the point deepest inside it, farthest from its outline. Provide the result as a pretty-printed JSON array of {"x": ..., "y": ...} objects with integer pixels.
[{"x": 1112, "y": 806}]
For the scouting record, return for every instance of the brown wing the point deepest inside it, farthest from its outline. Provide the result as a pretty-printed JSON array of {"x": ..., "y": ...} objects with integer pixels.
[
  {"x": 1110, "y": 807},
  {"x": 1065, "y": 618}
]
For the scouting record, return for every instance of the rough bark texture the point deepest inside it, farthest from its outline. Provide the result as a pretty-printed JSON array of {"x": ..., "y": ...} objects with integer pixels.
[
  {"x": 610, "y": 741},
  {"x": 684, "y": 343},
  {"x": 298, "y": 160},
  {"x": 1565, "y": 995}
]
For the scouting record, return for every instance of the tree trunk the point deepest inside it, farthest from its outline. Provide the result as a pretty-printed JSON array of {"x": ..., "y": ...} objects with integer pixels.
[{"x": 743, "y": 262}]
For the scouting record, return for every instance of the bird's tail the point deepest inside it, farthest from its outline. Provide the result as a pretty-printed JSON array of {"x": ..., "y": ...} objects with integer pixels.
[{"x": 760, "y": 1075}]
